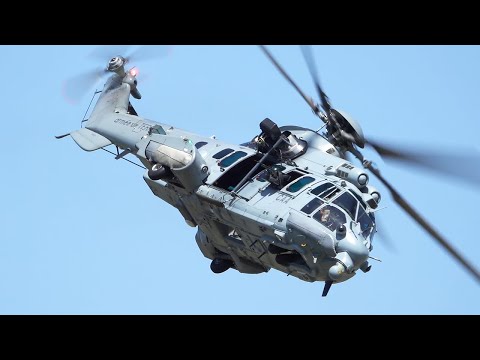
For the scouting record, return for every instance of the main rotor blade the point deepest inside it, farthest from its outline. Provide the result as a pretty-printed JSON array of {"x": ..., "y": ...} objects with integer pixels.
[
  {"x": 384, "y": 235},
  {"x": 308, "y": 56},
  {"x": 142, "y": 53},
  {"x": 290, "y": 80},
  {"x": 463, "y": 167},
  {"x": 331, "y": 119},
  {"x": 424, "y": 224}
]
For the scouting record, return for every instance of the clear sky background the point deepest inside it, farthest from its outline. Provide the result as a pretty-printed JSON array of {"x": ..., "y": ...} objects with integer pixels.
[{"x": 81, "y": 233}]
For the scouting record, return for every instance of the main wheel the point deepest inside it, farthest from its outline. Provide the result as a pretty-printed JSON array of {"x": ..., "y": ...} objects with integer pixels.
[
  {"x": 157, "y": 172},
  {"x": 219, "y": 266}
]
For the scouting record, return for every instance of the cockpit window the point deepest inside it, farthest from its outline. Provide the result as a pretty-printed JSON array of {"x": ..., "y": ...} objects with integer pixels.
[
  {"x": 299, "y": 184},
  {"x": 330, "y": 217},
  {"x": 330, "y": 193},
  {"x": 312, "y": 206},
  {"x": 366, "y": 223},
  {"x": 232, "y": 158},
  {"x": 326, "y": 191},
  {"x": 222, "y": 153},
  {"x": 348, "y": 203},
  {"x": 358, "y": 198},
  {"x": 199, "y": 144},
  {"x": 321, "y": 188}
]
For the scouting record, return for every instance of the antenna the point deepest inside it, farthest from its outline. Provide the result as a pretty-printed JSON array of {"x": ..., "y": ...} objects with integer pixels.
[{"x": 84, "y": 116}]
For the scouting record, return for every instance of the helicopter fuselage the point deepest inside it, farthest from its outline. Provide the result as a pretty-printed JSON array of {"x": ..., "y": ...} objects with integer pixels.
[
  {"x": 288, "y": 199},
  {"x": 309, "y": 215}
]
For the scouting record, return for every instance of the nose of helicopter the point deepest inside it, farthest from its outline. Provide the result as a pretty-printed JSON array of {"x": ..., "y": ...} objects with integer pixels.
[{"x": 351, "y": 255}]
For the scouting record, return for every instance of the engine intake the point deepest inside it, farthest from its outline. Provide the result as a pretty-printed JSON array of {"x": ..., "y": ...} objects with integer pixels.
[{"x": 350, "y": 173}]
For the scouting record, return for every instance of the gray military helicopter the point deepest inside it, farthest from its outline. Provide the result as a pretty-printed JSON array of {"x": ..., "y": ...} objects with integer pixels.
[{"x": 288, "y": 199}]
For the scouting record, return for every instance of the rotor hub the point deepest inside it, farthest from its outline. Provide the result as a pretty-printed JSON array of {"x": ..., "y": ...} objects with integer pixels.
[{"x": 116, "y": 63}]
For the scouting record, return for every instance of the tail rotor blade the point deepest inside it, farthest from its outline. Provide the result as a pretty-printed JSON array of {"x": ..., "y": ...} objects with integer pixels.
[
  {"x": 105, "y": 52},
  {"x": 76, "y": 87},
  {"x": 149, "y": 52}
]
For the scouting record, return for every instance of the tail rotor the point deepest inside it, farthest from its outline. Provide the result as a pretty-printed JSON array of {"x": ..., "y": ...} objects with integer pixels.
[{"x": 117, "y": 56}]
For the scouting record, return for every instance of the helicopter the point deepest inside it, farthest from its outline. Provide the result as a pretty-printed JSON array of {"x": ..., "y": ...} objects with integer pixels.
[{"x": 288, "y": 199}]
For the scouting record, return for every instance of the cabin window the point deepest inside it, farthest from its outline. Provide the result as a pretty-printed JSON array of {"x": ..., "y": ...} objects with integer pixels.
[
  {"x": 237, "y": 172},
  {"x": 330, "y": 217},
  {"x": 265, "y": 174},
  {"x": 199, "y": 144},
  {"x": 300, "y": 184},
  {"x": 348, "y": 203},
  {"x": 285, "y": 178},
  {"x": 232, "y": 158},
  {"x": 222, "y": 153},
  {"x": 312, "y": 206}
]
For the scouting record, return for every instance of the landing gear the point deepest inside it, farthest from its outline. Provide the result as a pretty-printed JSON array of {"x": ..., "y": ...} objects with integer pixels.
[
  {"x": 219, "y": 266},
  {"x": 326, "y": 288},
  {"x": 158, "y": 172}
]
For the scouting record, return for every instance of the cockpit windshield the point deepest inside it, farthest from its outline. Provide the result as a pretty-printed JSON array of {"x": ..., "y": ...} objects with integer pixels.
[
  {"x": 312, "y": 206},
  {"x": 366, "y": 223},
  {"x": 330, "y": 217},
  {"x": 348, "y": 203}
]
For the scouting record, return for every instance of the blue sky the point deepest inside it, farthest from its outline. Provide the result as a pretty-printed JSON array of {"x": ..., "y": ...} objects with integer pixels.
[{"x": 81, "y": 233}]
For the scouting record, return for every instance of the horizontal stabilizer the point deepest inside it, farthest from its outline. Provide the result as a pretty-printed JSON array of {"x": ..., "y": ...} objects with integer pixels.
[{"x": 89, "y": 140}]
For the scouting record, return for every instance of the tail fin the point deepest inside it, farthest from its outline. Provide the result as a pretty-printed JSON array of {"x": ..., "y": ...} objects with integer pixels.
[{"x": 114, "y": 99}]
